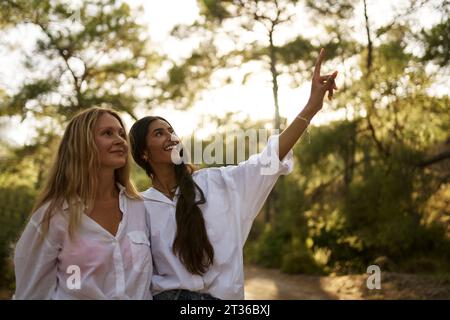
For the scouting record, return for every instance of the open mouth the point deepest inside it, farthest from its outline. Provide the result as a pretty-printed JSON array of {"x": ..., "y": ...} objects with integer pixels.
[{"x": 170, "y": 147}]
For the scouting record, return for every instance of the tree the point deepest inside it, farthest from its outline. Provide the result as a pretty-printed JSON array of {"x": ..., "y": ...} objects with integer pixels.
[
  {"x": 233, "y": 21},
  {"x": 366, "y": 183},
  {"x": 92, "y": 55}
]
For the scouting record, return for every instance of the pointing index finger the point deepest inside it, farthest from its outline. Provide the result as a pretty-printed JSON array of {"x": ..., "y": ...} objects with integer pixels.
[{"x": 319, "y": 62}]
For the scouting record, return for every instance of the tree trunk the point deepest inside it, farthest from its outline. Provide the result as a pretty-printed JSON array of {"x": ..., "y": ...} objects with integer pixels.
[
  {"x": 271, "y": 200},
  {"x": 274, "y": 72},
  {"x": 369, "y": 39}
]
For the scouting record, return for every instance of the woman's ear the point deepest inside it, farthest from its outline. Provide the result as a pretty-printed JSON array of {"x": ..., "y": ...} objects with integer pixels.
[{"x": 145, "y": 157}]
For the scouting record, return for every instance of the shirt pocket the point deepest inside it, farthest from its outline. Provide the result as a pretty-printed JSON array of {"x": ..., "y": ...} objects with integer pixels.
[{"x": 140, "y": 251}]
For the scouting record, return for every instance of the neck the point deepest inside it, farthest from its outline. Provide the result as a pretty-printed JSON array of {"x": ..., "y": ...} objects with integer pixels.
[
  {"x": 107, "y": 188},
  {"x": 164, "y": 178}
]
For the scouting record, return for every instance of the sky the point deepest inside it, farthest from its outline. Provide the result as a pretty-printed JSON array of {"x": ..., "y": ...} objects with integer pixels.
[{"x": 254, "y": 98}]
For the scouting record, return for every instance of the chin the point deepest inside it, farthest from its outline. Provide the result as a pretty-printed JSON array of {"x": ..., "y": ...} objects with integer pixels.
[
  {"x": 116, "y": 164},
  {"x": 169, "y": 161},
  {"x": 164, "y": 161}
]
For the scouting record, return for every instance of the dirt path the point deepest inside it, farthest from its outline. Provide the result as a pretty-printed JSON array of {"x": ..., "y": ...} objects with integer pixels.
[{"x": 270, "y": 284}]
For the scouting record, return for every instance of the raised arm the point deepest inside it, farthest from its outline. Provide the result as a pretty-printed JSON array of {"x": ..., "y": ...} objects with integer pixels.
[{"x": 319, "y": 86}]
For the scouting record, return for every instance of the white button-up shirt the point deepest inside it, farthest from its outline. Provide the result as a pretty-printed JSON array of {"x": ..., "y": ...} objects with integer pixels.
[
  {"x": 93, "y": 265},
  {"x": 234, "y": 196}
]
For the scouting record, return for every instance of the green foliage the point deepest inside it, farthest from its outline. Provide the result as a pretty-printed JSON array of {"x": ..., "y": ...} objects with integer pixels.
[
  {"x": 344, "y": 225},
  {"x": 284, "y": 243},
  {"x": 437, "y": 41},
  {"x": 267, "y": 251},
  {"x": 140, "y": 178},
  {"x": 98, "y": 52},
  {"x": 17, "y": 197},
  {"x": 300, "y": 259},
  {"x": 299, "y": 49},
  {"x": 364, "y": 186},
  {"x": 214, "y": 9},
  {"x": 15, "y": 206},
  {"x": 341, "y": 9},
  {"x": 185, "y": 81}
]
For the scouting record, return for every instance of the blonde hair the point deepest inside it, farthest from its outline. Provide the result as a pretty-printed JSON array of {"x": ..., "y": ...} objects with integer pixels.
[{"x": 72, "y": 177}]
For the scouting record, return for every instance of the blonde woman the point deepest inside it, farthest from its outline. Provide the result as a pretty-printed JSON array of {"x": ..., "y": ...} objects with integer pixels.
[{"x": 87, "y": 237}]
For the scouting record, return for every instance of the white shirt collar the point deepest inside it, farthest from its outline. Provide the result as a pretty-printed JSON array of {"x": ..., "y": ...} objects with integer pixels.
[{"x": 155, "y": 195}]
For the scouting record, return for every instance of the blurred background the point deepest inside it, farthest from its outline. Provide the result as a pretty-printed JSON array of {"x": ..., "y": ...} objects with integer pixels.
[{"x": 372, "y": 186}]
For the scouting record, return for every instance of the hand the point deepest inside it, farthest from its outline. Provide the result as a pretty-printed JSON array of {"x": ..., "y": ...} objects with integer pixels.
[{"x": 320, "y": 85}]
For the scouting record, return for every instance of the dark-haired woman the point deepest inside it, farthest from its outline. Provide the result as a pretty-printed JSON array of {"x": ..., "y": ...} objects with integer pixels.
[{"x": 200, "y": 220}]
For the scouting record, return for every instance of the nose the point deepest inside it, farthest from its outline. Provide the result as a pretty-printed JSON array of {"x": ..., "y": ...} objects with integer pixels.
[
  {"x": 174, "y": 138},
  {"x": 120, "y": 140}
]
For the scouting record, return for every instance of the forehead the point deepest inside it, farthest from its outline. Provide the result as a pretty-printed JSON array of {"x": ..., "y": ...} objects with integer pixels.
[
  {"x": 107, "y": 120},
  {"x": 158, "y": 124}
]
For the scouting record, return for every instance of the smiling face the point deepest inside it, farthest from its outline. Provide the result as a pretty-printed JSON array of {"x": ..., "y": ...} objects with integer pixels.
[
  {"x": 110, "y": 139},
  {"x": 160, "y": 142}
]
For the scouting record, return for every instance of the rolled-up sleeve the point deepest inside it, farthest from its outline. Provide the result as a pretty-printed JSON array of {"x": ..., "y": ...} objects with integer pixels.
[
  {"x": 35, "y": 263},
  {"x": 251, "y": 181}
]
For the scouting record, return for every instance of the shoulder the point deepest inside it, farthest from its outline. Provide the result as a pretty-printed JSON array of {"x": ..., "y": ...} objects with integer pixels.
[
  {"x": 215, "y": 178},
  {"x": 208, "y": 174},
  {"x": 134, "y": 206},
  {"x": 51, "y": 210},
  {"x": 212, "y": 172},
  {"x": 147, "y": 194},
  {"x": 133, "y": 200},
  {"x": 50, "y": 220}
]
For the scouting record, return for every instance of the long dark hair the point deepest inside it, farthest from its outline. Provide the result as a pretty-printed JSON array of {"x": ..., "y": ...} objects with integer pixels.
[{"x": 191, "y": 240}]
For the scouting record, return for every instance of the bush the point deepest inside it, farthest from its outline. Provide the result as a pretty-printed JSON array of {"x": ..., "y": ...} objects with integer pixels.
[
  {"x": 15, "y": 206},
  {"x": 299, "y": 259},
  {"x": 267, "y": 250},
  {"x": 385, "y": 210}
]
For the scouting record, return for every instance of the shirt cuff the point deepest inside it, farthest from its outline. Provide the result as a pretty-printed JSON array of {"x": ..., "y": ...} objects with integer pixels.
[{"x": 269, "y": 160}]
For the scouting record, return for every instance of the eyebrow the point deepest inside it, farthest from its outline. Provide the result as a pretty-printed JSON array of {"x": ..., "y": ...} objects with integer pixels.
[
  {"x": 110, "y": 127},
  {"x": 160, "y": 129}
]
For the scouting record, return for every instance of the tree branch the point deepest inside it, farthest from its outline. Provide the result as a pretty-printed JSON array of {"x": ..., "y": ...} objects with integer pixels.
[{"x": 435, "y": 159}]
